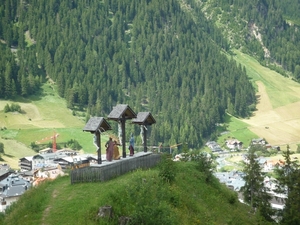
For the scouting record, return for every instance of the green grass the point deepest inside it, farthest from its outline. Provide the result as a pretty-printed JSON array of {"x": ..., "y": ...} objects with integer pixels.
[
  {"x": 43, "y": 115},
  {"x": 141, "y": 194},
  {"x": 238, "y": 130},
  {"x": 279, "y": 88}
]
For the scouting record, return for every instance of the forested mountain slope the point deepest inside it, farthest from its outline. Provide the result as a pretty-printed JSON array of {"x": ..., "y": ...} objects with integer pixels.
[
  {"x": 157, "y": 56},
  {"x": 268, "y": 30}
]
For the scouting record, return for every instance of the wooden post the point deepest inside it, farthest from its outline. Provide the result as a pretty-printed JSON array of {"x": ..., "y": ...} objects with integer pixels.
[
  {"x": 123, "y": 136},
  {"x": 145, "y": 138},
  {"x": 99, "y": 147}
]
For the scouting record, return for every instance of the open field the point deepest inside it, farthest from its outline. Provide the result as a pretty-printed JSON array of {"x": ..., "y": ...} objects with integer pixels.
[
  {"x": 41, "y": 117},
  {"x": 277, "y": 118},
  {"x": 237, "y": 129},
  {"x": 14, "y": 150}
]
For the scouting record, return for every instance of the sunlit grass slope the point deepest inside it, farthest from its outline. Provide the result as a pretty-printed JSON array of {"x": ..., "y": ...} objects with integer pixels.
[
  {"x": 42, "y": 116},
  {"x": 277, "y": 116},
  {"x": 281, "y": 90},
  {"x": 141, "y": 194}
]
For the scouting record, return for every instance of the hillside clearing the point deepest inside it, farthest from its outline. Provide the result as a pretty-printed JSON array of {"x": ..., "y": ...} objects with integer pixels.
[
  {"x": 277, "y": 117},
  {"x": 42, "y": 116}
]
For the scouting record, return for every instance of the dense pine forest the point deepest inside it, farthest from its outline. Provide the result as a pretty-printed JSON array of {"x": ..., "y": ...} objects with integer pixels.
[
  {"x": 159, "y": 56},
  {"x": 268, "y": 30}
]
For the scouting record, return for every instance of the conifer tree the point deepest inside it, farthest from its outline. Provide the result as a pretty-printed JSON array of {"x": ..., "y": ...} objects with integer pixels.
[
  {"x": 254, "y": 191},
  {"x": 1, "y": 148},
  {"x": 288, "y": 183}
]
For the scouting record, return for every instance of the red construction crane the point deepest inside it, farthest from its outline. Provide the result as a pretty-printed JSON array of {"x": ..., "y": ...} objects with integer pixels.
[{"x": 53, "y": 138}]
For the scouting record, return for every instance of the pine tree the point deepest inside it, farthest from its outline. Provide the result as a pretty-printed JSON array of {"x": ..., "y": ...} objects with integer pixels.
[
  {"x": 1, "y": 149},
  {"x": 8, "y": 80},
  {"x": 288, "y": 182},
  {"x": 24, "y": 85},
  {"x": 254, "y": 191}
]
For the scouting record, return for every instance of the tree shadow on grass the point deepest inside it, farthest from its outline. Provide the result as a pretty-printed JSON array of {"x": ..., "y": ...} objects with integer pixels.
[{"x": 9, "y": 156}]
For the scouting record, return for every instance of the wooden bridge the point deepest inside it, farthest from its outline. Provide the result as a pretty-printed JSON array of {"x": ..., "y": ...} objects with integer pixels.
[{"x": 108, "y": 170}]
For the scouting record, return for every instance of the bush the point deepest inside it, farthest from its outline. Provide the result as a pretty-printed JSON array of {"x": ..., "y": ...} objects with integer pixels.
[
  {"x": 167, "y": 169},
  {"x": 232, "y": 198},
  {"x": 73, "y": 144},
  {"x": 204, "y": 164},
  {"x": 14, "y": 107},
  {"x": 6, "y": 108}
]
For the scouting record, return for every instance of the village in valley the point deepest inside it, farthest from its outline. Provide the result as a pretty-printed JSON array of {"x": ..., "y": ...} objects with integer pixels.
[{"x": 233, "y": 178}]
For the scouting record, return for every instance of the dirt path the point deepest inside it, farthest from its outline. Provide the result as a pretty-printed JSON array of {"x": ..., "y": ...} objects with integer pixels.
[{"x": 47, "y": 210}]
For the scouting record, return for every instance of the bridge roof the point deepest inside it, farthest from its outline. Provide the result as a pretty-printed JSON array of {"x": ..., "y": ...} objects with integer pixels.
[
  {"x": 96, "y": 123},
  {"x": 120, "y": 111},
  {"x": 144, "y": 118}
]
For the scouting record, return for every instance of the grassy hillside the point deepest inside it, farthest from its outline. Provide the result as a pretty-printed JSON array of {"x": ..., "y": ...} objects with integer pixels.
[
  {"x": 42, "y": 115},
  {"x": 141, "y": 195},
  {"x": 277, "y": 115},
  {"x": 280, "y": 90},
  {"x": 236, "y": 129}
]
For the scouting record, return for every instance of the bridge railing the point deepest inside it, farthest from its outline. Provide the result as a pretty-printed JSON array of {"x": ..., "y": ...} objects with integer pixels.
[{"x": 104, "y": 172}]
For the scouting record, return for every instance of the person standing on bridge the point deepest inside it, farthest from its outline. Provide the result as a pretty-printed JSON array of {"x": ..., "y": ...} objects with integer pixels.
[
  {"x": 109, "y": 149},
  {"x": 116, "y": 154},
  {"x": 131, "y": 145}
]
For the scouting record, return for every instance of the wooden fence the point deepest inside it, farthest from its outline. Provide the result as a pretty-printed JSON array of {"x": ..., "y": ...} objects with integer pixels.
[{"x": 106, "y": 171}]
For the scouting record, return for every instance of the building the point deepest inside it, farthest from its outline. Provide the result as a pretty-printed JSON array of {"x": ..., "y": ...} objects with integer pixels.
[
  {"x": 5, "y": 171},
  {"x": 25, "y": 163},
  {"x": 11, "y": 188},
  {"x": 214, "y": 146},
  {"x": 76, "y": 161},
  {"x": 258, "y": 141},
  {"x": 234, "y": 144},
  {"x": 45, "y": 158},
  {"x": 233, "y": 180}
]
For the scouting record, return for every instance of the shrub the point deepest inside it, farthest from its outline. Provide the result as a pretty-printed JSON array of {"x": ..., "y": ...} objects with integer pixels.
[
  {"x": 6, "y": 108},
  {"x": 232, "y": 198},
  {"x": 167, "y": 169},
  {"x": 14, "y": 107},
  {"x": 204, "y": 164}
]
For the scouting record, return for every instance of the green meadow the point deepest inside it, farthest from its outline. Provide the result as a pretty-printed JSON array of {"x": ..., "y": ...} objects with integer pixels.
[
  {"x": 280, "y": 89},
  {"x": 42, "y": 116},
  {"x": 283, "y": 95},
  {"x": 236, "y": 129}
]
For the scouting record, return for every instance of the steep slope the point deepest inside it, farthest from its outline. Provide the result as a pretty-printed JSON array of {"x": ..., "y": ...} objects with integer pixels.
[
  {"x": 141, "y": 195},
  {"x": 268, "y": 30}
]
